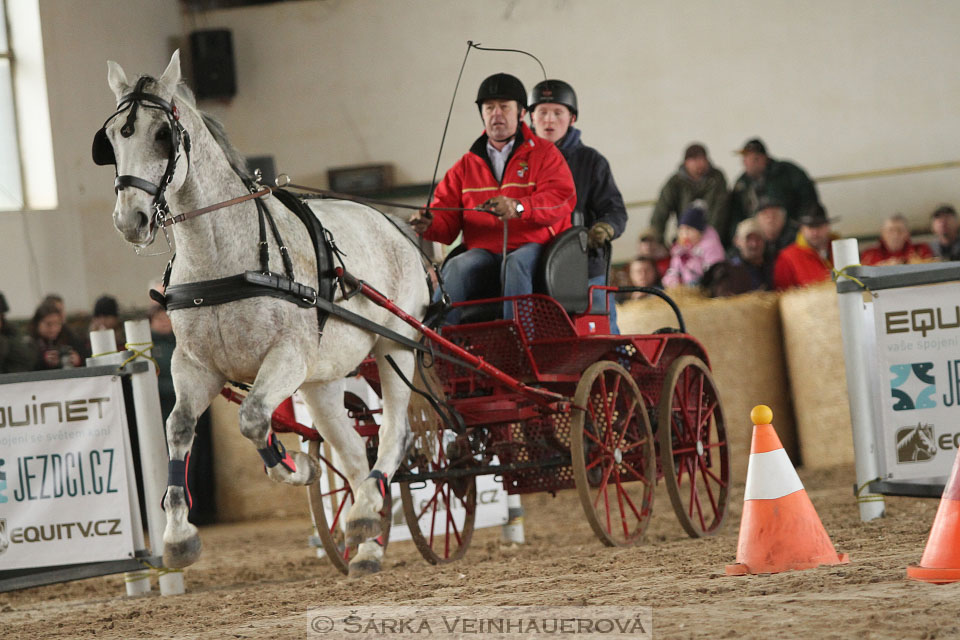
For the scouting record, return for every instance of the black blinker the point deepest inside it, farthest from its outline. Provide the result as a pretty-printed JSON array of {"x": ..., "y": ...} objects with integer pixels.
[{"x": 102, "y": 149}]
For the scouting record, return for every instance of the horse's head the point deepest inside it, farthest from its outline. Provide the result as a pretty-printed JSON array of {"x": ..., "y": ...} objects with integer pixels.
[{"x": 145, "y": 141}]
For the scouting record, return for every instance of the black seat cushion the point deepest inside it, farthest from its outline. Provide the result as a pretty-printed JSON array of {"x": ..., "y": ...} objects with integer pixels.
[{"x": 562, "y": 272}]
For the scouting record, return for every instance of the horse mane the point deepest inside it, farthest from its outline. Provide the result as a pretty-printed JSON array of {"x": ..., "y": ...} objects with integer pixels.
[{"x": 237, "y": 162}]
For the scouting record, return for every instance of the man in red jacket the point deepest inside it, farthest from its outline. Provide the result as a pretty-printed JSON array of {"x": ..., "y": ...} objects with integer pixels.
[
  {"x": 808, "y": 260},
  {"x": 524, "y": 180}
]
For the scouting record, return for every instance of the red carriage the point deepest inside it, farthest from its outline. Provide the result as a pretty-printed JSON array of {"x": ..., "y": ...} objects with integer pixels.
[{"x": 547, "y": 401}]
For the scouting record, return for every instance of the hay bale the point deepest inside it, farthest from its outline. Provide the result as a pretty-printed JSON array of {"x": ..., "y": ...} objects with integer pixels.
[
  {"x": 814, "y": 349},
  {"x": 743, "y": 339},
  {"x": 244, "y": 492}
]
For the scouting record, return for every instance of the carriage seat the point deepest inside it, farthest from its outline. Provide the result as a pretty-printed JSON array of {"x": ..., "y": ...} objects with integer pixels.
[{"x": 561, "y": 274}]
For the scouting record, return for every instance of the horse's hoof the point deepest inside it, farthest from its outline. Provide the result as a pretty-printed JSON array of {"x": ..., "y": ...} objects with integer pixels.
[
  {"x": 361, "y": 567},
  {"x": 361, "y": 530},
  {"x": 307, "y": 470},
  {"x": 183, "y": 553}
]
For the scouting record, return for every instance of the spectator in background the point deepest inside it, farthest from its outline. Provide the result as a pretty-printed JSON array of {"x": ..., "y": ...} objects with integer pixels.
[
  {"x": 748, "y": 269},
  {"x": 697, "y": 248},
  {"x": 553, "y": 111},
  {"x": 751, "y": 255},
  {"x": 67, "y": 333},
  {"x": 895, "y": 246},
  {"x": 778, "y": 232},
  {"x": 15, "y": 353},
  {"x": 764, "y": 176},
  {"x": 943, "y": 223},
  {"x": 643, "y": 273},
  {"x": 809, "y": 260},
  {"x": 650, "y": 246},
  {"x": 695, "y": 179},
  {"x": 106, "y": 316},
  {"x": 50, "y": 341}
]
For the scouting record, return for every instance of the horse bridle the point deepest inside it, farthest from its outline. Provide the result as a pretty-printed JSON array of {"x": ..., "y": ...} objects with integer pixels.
[{"x": 104, "y": 154}]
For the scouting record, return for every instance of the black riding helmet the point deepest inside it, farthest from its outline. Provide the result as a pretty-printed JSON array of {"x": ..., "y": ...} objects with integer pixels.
[
  {"x": 555, "y": 92},
  {"x": 502, "y": 86}
]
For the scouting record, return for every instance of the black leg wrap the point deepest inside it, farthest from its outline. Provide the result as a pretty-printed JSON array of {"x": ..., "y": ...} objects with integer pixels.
[
  {"x": 382, "y": 484},
  {"x": 177, "y": 477},
  {"x": 275, "y": 453}
]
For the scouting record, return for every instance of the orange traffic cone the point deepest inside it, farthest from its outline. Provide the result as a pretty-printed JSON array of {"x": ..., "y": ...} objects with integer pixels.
[
  {"x": 940, "y": 563},
  {"x": 780, "y": 530}
]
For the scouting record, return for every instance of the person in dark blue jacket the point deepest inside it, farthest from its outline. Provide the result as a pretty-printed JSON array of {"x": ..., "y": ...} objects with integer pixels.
[{"x": 600, "y": 208}]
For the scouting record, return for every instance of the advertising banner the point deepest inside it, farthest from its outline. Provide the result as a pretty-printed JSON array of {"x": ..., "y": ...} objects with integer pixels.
[
  {"x": 64, "y": 495},
  {"x": 918, "y": 378}
]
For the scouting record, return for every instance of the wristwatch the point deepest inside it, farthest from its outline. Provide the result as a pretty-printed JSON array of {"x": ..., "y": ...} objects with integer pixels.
[{"x": 519, "y": 209}]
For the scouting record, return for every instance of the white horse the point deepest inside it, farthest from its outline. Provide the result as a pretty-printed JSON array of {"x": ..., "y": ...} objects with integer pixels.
[{"x": 264, "y": 341}]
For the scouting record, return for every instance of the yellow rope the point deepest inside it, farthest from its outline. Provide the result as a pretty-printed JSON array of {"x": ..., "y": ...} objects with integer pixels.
[
  {"x": 105, "y": 353},
  {"x": 137, "y": 353},
  {"x": 867, "y": 498},
  {"x": 843, "y": 272}
]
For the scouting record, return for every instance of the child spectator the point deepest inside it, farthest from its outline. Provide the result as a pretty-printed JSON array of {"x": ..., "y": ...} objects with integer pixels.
[
  {"x": 649, "y": 245},
  {"x": 895, "y": 246},
  {"x": 50, "y": 342},
  {"x": 15, "y": 353},
  {"x": 698, "y": 247},
  {"x": 643, "y": 273}
]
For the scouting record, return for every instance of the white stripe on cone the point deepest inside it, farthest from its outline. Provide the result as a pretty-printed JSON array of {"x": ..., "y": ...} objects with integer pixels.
[{"x": 770, "y": 475}]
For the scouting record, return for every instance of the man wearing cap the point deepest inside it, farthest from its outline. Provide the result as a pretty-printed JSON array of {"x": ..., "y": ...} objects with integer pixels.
[
  {"x": 523, "y": 179},
  {"x": 808, "y": 260},
  {"x": 553, "y": 105},
  {"x": 944, "y": 225},
  {"x": 695, "y": 179},
  {"x": 751, "y": 255},
  {"x": 778, "y": 232},
  {"x": 15, "y": 353},
  {"x": 762, "y": 175}
]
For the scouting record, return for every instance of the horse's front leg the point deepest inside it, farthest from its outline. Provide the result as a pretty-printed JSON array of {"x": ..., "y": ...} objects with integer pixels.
[
  {"x": 195, "y": 388},
  {"x": 363, "y": 520},
  {"x": 280, "y": 375}
]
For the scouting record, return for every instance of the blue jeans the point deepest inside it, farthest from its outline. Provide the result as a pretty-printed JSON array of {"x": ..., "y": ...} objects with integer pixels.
[
  {"x": 475, "y": 274},
  {"x": 599, "y": 307}
]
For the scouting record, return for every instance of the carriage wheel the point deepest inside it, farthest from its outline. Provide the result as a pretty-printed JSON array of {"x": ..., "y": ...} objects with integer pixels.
[
  {"x": 433, "y": 521},
  {"x": 693, "y": 446},
  {"x": 613, "y": 454}
]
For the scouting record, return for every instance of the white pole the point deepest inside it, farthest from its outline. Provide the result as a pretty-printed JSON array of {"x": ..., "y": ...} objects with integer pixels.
[
  {"x": 153, "y": 447},
  {"x": 513, "y": 530},
  {"x": 846, "y": 253},
  {"x": 103, "y": 344}
]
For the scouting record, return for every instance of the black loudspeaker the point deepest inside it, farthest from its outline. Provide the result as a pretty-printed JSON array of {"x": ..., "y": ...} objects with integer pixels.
[{"x": 213, "y": 72}]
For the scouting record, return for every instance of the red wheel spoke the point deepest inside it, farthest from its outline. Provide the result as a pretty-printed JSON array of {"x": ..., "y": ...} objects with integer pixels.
[
  {"x": 603, "y": 484},
  {"x": 623, "y": 513},
  {"x": 639, "y": 476},
  {"x": 627, "y": 423},
  {"x": 706, "y": 485},
  {"x": 336, "y": 516},
  {"x": 335, "y": 491},
  {"x": 590, "y": 436},
  {"x": 630, "y": 447},
  {"x": 633, "y": 507},
  {"x": 718, "y": 480},
  {"x": 429, "y": 502},
  {"x": 594, "y": 463},
  {"x": 708, "y": 413}
]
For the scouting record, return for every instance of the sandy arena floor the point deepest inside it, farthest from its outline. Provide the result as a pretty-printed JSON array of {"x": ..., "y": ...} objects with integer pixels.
[{"x": 257, "y": 580}]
